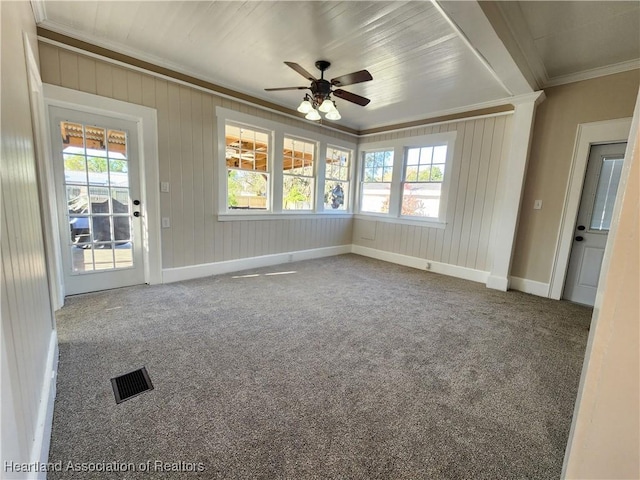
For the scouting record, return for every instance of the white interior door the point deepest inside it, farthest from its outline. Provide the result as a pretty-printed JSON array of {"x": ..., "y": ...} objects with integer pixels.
[
  {"x": 98, "y": 199},
  {"x": 594, "y": 219}
]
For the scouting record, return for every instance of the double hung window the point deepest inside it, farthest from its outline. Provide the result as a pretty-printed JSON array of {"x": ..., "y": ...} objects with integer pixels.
[
  {"x": 407, "y": 179},
  {"x": 247, "y": 157},
  {"x": 336, "y": 179},
  {"x": 298, "y": 180}
]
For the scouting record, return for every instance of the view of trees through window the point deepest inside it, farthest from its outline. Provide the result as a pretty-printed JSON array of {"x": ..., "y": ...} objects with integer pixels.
[
  {"x": 246, "y": 153},
  {"x": 424, "y": 174},
  {"x": 298, "y": 174}
]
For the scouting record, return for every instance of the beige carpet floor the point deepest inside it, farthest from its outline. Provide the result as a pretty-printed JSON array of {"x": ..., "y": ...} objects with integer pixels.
[{"x": 341, "y": 368}]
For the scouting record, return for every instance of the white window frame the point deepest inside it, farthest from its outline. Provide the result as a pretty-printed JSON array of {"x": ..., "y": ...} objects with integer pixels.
[
  {"x": 349, "y": 181},
  {"x": 400, "y": 148},
  {"x": 361, "y": 182},
  {"x": 313, "y": 177},
  {"x": 268, "y": 172},
  {"x": 274, "y": 167}
]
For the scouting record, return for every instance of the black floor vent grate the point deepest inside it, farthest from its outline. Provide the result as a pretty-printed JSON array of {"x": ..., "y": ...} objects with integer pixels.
[{"x": 131, "y": 384}]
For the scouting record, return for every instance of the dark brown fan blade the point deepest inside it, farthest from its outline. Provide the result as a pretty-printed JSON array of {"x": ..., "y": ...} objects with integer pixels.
[
  {"x": 351, "y": 97},
  {"x": 285, "y": 88},
  {"x": 301, "y": 71},
  {"x": 351, "y": 78}
]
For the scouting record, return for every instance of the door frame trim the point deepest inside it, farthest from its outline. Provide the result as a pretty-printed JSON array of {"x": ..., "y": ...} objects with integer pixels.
[
  {"x": 147, "y": 123},
  {"x": 593, "y": 133}
]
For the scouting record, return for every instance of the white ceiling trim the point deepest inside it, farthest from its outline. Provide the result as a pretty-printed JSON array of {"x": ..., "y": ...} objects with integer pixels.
[
  {"x": 593, "y": 73},
  {"x": 39, "y": 10},
  {"x": 471, "y": 47}
]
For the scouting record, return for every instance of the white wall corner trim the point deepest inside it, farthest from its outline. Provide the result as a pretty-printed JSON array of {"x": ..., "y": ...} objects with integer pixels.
[
  {"x": 511, "y": 187},
  {"x": 608, "y": 131},
  {"x": 422, "y": 264},
  {"x": 532, "y": 287},
  {"x": 42, "y": 437},
  {"x": 179, "y": 274}
]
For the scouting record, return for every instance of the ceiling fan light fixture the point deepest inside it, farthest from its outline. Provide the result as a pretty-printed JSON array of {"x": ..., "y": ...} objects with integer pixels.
[
  {"x": 305, "y": 106},
  {"x": 313, "y": 115},
  {"x": 333, "y": 114},
  {"x": 326, "y": 106}
]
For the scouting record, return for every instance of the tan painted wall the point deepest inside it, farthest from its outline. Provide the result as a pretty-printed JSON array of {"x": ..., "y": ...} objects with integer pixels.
[
  {"x": 554, "y": 134},
  {"x": 605, "y": 435},
  {"x": 26, "y": 310},
  {"x": 187, "y": 150},
  {"x": 480, "y": 149}
]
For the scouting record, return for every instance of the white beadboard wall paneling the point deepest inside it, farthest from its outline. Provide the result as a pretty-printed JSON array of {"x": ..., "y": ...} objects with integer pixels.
[
  {"x": 186, "y": 150},
  {"x": 464, "y": 242},
  {"x": 27, "y": 314}
]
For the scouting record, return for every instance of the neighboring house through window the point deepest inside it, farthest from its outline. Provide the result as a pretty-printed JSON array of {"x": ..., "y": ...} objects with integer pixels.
[{"x": 413, "y": 189}]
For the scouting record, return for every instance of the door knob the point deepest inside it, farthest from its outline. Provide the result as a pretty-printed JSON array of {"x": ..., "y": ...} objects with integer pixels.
[
  {"x": 136, "y": 214},
  {"x": 137, "y": 202},
  {"x": 580, "y": 227},
  {"x": 578, "y": 238}
]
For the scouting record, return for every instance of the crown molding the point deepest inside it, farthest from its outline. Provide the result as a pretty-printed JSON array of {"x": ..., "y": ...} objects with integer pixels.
[
  {"x": 593, "y": 73},
  {"x": 39, "y": 11}
]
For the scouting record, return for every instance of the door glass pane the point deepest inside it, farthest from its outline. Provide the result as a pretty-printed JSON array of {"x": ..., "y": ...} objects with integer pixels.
[
  {"x": 606, "y": 191},
  {"x": 98, "y": 199},
  {"x": 81, "y": 259}
]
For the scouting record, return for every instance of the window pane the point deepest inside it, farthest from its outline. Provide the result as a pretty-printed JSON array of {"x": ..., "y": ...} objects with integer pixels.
[
  {"x": 297, "y": 157},
  {"x": 97, "y": 167},
  {"x": 246, "y": 149},
  {"x": 378, "y": 166},
  {"x": 440, "y": 154},
  {"x": 336, "y": 195},
  {"x": 297, "y": 193},
  {"x": 606, "y": 193},
  {"x": 118, "y": 173},
  {"x": 375, "y": 197},
  {"x": 337, "y": 166},
  {"x": 247, "y": 190},
  {"x": 117, "y": 144},
  {"x": 421, "y": 199},
  {"x": 95, "y": 140}
]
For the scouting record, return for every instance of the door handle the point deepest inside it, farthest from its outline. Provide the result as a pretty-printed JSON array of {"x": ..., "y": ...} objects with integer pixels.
[
  {"x": 578, "y": 238},
  {"x": 136, "y": 214},
  {"x": 137, "y": 202},
  {"x": 580, "y": 227}
]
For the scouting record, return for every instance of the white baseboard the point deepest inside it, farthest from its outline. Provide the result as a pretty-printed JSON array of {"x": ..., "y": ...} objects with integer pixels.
[
  {"x": 421, "y": 264},
  {"x": 170, "y": 275},
  {"x": 525, "y": 285},
  {"x": 42, "y": 436},
  {"x": 498, "y": 283}
]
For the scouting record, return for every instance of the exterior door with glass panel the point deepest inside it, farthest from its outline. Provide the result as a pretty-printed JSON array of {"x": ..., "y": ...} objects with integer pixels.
[
  {"x": 98, "y": 192},
  {"x": 594, "y": 219}
]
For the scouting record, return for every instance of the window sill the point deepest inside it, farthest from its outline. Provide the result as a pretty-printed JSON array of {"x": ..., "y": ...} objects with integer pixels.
[
  {"x": 430, "y": 223},
  {"x": 234, "y": 217}
]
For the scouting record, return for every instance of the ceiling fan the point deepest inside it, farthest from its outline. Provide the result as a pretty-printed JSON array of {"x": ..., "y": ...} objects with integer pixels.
[{"x": 321, "y": 91}]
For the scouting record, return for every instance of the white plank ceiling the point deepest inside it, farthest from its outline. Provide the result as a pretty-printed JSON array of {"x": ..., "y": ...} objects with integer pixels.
[{"x": 422, "y": 64}]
